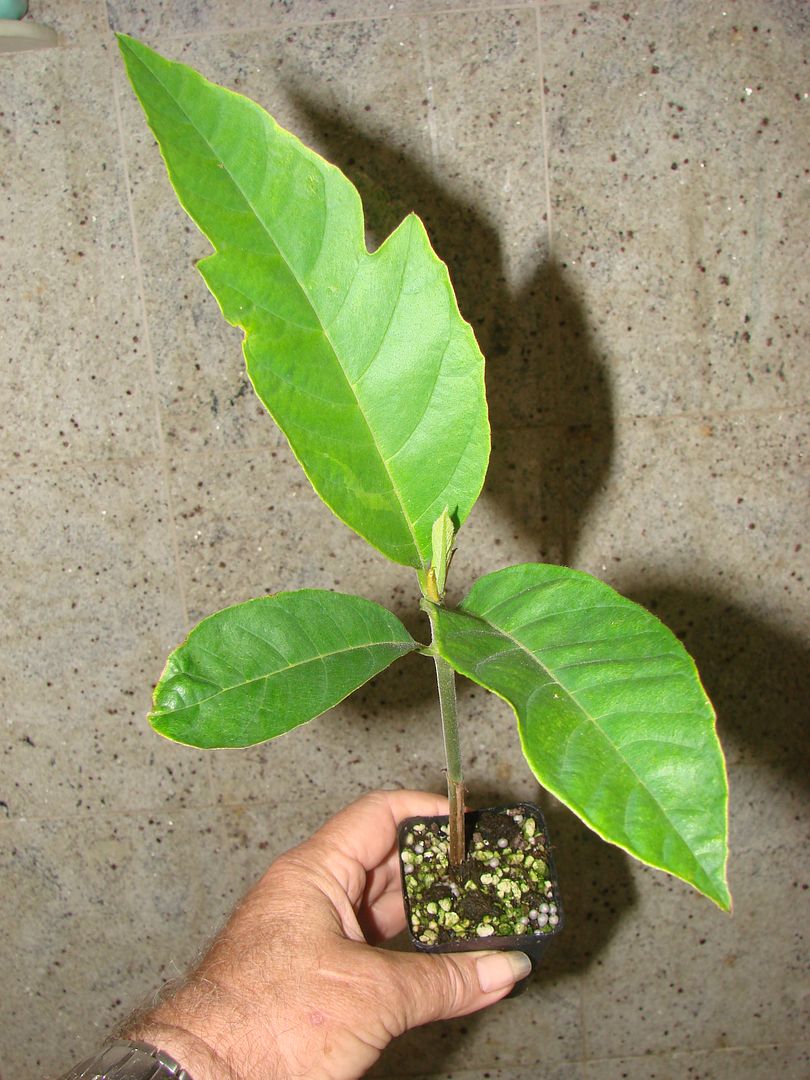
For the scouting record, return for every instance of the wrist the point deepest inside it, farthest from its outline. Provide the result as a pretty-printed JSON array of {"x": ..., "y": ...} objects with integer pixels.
[
  {"x": 190, "y": 1051},
  {"x": 212, "y": 1030}
]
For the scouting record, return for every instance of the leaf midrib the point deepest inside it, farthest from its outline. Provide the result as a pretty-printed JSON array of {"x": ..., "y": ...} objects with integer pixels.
[
  {"x": 592, "y": 721},
  {"x": 400, "y": 645},
  {"x": 324, "y": 331}
]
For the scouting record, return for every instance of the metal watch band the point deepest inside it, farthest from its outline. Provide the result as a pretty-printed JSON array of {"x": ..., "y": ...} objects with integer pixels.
[{"x": 128, "y": 1061}]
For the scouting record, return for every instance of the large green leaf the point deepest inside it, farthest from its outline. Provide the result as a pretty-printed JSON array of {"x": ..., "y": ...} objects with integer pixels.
[
  {"x": 258, "y": 669},
  {"x": 612, "y": 716},
  {"x": 362, "y": 359}
]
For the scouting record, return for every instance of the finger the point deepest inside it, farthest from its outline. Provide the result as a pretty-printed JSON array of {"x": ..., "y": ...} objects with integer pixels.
[
  {"x": 383, "y": 919},
  {"x": 361, "y": 837},
  {"x": 335, "y": 862},
  {"x": 367, "y": 829},
  {"x": 442, "y": 986},
  {"x": 386, "y": 876}
]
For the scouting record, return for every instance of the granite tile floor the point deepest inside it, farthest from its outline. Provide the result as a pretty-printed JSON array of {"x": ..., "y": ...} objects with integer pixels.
[{"x": 621, "y": 193}]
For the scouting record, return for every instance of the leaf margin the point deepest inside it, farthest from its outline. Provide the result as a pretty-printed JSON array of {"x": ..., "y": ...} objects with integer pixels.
[
  {"x": 479, "y": 431},
  {"x": 721, "y": 896},
  {"x": 156, "y": 715}
]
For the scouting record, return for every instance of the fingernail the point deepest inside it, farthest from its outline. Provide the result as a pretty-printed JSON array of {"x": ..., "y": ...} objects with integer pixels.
[{"x": 499, "y": 969}]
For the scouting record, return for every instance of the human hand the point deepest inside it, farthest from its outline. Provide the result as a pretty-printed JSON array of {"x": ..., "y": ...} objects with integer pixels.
[{"x": 293, "y": 987}]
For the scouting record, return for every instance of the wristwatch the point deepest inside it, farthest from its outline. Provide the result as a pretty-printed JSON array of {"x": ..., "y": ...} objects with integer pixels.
[{"x": 128, "y": 1061}]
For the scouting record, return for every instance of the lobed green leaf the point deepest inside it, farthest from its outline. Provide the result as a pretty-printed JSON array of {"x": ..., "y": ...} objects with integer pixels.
[
  {"x": 363, "y": 360},
  {"x": 256, "y": 670},
  {"x": 612, "y": 717}
]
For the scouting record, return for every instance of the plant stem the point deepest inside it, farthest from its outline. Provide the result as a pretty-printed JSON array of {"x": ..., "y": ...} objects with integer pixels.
[
  {"x": 432, "y": 583},
  {"x": 446, "y": 682}
]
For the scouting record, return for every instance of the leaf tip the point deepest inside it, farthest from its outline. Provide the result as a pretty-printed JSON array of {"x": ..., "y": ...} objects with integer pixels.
[
  {"x": 725, "y": 901},
  {"x": 158, "y": 722},
  {"x": 127, "y": 43},
  {"x": 716, "y": 890}
]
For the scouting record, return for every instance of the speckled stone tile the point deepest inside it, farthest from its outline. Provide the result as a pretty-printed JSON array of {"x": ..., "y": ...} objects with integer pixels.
[
  {"x": 89, "y": 609},
  {"x": 485, "y": 79},
  {"x": 569, "y": 1070},
  {"x": 756, "y": 1063},
  {"x": 704, "y": 522},
  {"x": 484, "y": 210},
  {"x": 682, "y": 971},
  {"x": 718, "y": 498},
  {"x": 53, "y": 769},
  {"x": 520, "y": 514},
  {"x": 768, "y": 802},
  {"x": 75, "y": 374},
  {"x": 104, "y": 911},
  {"x": 600, "y": 898},
  {"x": 256, "y": 834},
  {"x": 163, "y": 17},
  {"x": 489, "y": 221},
  {"x": 700, "y": 517},
  {"x": 77, "y": 22},
  {"x": 536, "y": 1034},
  {"x": 249, "y": 524},
  {"x": 205, "y": 397},
  {"x": 77, "y": 539},
  {"x": 675, "y": 193}
]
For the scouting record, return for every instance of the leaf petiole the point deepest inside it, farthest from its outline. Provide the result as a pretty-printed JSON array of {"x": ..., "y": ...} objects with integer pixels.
[{"x": 435, "y": 581}]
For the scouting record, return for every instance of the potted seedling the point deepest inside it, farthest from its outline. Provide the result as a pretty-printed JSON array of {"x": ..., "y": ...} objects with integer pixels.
[{"x": 365, "y": 363}]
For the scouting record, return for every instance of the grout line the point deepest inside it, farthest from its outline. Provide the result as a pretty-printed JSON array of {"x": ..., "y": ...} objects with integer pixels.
[
  {"x": 153, "y": 380},
  {"x": 46, "y": 459},
  {"x": 427, "y": 74},
  {"x": 157, "y": 809},
  {"x": 49, "y": 459},
  {"x": 162, "y": 456},
  {"x": 95, "y": 814},
  {"x": 567, "y": 544},
  {"x": 544, "y": 132},
  {"x": 221, "y": 803},
  {"x": 280, "y": 26},
  {"x": 700, "y": 1051}
]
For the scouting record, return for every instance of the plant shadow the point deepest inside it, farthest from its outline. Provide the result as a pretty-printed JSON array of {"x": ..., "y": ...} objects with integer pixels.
[
  {"x": 544, "y": 376},
  {"x": 551, "y": 406},
  {"x": 756, "y": 674},
  {"x": 544, "y": 379}
]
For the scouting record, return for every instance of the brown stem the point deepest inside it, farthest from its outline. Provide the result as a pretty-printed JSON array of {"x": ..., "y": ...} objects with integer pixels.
[{"x": 455, "y": 791}]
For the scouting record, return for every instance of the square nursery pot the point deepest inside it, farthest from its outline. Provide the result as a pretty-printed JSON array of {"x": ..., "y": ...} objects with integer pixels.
[{"x": 503, "y": 896}]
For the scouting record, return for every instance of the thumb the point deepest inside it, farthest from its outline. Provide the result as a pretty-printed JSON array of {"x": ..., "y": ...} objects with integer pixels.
[{"x": 440, "y": 986}]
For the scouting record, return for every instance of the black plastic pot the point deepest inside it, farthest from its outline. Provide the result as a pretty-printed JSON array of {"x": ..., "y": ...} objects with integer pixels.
[{"x": 532, "y": 944}]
